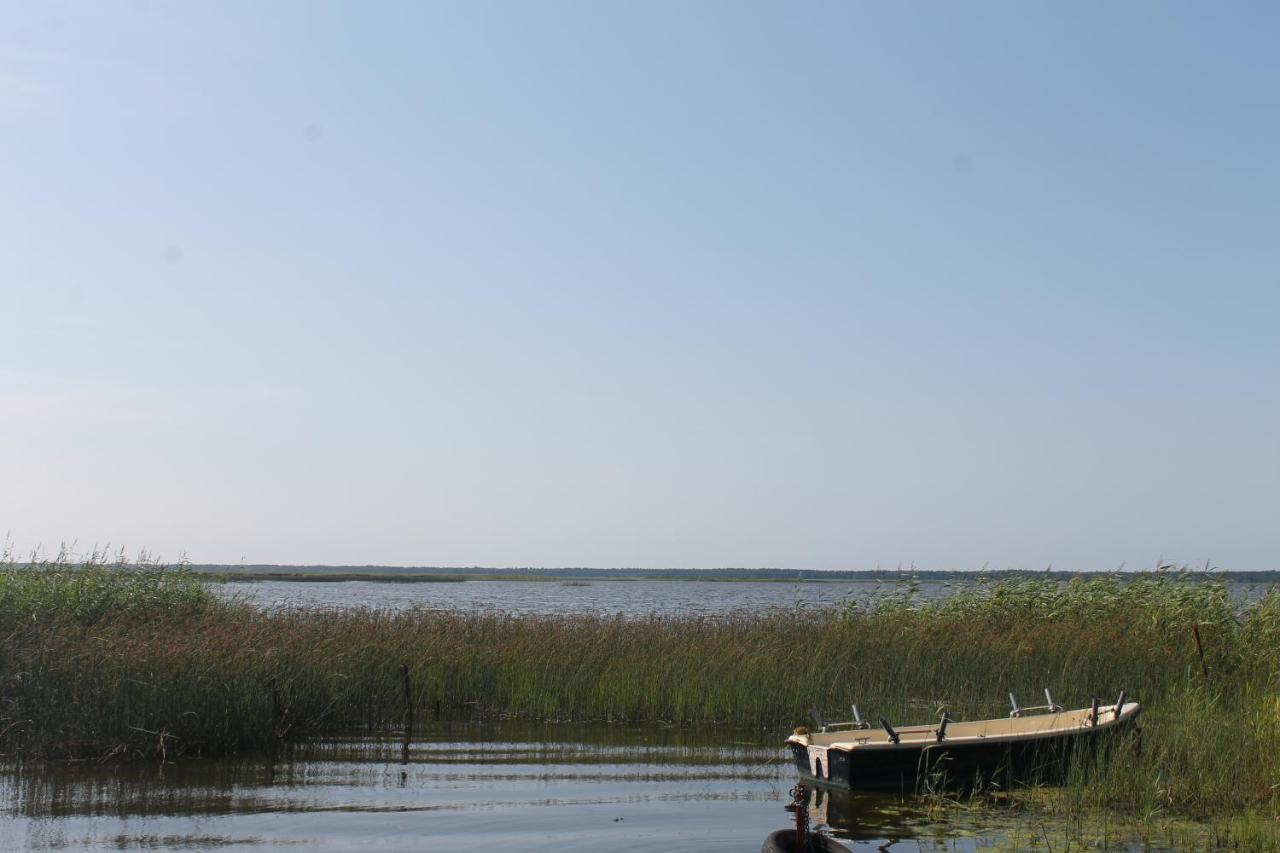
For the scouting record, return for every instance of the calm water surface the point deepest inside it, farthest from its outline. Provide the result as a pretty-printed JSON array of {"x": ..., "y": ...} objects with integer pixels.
[
  {"x": 494, "y": 788},
  {"x": 633, "y": 598}
]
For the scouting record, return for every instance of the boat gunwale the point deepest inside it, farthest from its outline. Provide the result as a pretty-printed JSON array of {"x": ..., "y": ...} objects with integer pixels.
[{"x": 1127, "y": 712}]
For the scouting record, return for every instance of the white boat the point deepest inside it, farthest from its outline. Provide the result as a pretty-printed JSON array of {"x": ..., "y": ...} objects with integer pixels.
[{"x": 1031, "y": 745}]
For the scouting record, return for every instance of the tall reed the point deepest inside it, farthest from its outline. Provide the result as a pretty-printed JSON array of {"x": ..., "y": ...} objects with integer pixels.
[{"x": 98, "y": 662}]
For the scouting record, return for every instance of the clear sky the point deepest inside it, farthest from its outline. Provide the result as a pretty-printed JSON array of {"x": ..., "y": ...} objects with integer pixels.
[{"x": 642, "y": 284}]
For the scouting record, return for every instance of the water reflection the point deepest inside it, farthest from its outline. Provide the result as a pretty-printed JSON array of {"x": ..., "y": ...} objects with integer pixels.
[
  {"x": 580, "y": 789},
  {"x": 880, "y": 819},
  {"x": 518, "y": 787}
]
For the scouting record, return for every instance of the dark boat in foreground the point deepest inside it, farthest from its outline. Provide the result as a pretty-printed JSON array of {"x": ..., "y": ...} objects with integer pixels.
[
  {"x": 1031, "y": 745},
  {"x": 784, "y": 841}
]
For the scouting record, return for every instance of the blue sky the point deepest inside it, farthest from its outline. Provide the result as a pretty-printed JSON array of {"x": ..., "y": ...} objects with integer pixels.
[{"x": 660, "y": 284}]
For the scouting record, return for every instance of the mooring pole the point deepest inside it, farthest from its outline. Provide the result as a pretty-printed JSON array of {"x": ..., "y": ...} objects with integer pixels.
[
  {"x": 278, "y": 728},
  {"x": 408, "y": 710}
]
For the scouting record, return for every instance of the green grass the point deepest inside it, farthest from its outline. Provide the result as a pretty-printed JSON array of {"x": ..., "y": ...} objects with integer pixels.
[
  {"x": 100, "y": 661},
  {"x": 93, "y": 592}
]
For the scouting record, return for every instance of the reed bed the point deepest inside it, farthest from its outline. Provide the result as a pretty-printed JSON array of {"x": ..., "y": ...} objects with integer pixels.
[{"x": 100, "y": 662}]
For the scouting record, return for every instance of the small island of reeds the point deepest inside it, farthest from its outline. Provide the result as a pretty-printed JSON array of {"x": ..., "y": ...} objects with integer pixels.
[{"x": 127, "y": 662}]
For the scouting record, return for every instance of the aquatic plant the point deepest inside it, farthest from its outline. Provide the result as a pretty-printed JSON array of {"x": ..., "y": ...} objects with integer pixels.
[
  {"x": 128, "y": 662},
  {"x": 95, "y": 590}
]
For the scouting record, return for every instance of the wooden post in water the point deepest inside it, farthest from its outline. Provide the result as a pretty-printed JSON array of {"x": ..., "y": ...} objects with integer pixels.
[
  {"x": 408, "y": 711},
  {"x": 278, "y": 727}
]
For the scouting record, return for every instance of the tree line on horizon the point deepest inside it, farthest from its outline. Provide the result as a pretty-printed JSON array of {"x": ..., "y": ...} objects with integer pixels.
[{"x": 766, "y": 574}]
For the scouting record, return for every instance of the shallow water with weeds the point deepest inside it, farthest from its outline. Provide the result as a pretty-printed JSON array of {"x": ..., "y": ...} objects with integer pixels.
[
  {"x": 517, "y": 787},
  {"x": 112, "y": 666}
]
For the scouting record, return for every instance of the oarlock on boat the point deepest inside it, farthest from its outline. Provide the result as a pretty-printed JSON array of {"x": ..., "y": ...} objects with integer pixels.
[{"x": 1032, "y": 744}]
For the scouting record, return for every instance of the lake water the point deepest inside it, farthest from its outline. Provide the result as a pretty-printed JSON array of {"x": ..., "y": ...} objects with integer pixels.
[
  {"x": 500, "y": 787},
  {"x": 633, "y": 598}
]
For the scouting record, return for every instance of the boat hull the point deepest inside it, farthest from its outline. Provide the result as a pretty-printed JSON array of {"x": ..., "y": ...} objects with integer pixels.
[{"x": 916, "y": 767}]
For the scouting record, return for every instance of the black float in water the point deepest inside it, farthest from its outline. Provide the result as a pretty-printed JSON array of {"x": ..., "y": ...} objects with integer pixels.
[{"x": 799, "y": 839}]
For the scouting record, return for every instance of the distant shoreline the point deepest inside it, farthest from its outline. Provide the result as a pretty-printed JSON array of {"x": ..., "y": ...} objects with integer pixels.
[{"x": 437, "y": 574}]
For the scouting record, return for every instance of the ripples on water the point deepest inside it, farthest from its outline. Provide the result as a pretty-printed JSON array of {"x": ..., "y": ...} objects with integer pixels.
[
  {"x": 501, "y": 787},
  {"x": 632, "y": 598}
]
